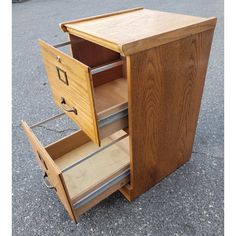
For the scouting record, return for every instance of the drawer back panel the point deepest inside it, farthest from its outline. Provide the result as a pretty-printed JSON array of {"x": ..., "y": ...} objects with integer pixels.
[
  {"x": 84, "y": 51},
  {"x": 71, "y": 80}
]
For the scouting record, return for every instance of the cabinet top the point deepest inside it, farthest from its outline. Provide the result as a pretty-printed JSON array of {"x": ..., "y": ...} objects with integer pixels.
[{"x": 138, "y": 29}]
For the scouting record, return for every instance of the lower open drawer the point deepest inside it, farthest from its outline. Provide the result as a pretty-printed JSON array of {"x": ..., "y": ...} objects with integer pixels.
[{"x": 81, "y": 173}]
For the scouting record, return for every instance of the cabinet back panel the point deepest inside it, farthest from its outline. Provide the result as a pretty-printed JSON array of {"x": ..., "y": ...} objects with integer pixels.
[{"x": 95, "y": 55}]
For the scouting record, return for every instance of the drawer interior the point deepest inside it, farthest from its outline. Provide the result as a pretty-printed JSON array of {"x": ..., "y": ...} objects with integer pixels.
[
  {"x": 85, "y": 177},
  {"x": 107, "y": 71},
  {"x": 81, "y": 173}
]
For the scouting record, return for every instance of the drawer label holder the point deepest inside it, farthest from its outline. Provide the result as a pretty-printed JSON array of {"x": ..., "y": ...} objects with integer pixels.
[{"x": 62, "y": 76}]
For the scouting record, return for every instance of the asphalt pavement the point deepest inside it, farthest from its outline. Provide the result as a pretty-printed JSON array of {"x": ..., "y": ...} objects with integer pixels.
[{"x": 188, "y": 202}]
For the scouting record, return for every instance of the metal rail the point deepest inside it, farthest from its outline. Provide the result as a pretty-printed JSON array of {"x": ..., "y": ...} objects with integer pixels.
[
  {"x": 106, "y": 67},
  {"x": 93, "y": 70},
  {"x": 67, "y": 43},
  {"x": 101, "y": 189},
  {"x": 62, "y": 44},
  {"x": 113, "y": 117},
  {"x": 103, "y": 122}
]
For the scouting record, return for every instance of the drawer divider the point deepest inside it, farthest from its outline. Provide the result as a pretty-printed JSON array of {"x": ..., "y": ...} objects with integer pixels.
[
  {"x": 101, "y": 189},
  {"x": 93, "y": 153}
]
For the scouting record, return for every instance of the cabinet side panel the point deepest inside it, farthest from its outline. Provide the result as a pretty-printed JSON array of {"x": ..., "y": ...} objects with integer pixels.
[{"x": 165, "y": 90}]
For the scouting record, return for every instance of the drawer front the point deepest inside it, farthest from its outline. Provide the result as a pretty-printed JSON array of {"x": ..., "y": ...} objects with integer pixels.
[
  {"x": 72, "y": 88},
  {"x": 51, "y": 172}
]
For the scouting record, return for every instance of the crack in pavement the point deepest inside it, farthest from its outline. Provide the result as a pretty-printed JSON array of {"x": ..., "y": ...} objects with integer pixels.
[
  {"x": 57, "y": 131},
  {"x": 49, "y": 129},
  {"x": 70, "y": 129}
]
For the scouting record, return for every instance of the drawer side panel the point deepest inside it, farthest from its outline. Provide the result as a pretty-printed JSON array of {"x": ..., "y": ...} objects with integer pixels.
[{"x": 164, "y": 101}]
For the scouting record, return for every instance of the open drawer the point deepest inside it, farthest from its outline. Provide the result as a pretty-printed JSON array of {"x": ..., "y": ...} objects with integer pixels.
[
  {"x": 88, "y": 86},
  {"x": 81, "y": 173}
]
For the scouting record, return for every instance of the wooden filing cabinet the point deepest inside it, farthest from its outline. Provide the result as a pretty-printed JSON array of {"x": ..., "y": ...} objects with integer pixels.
[{"x": 133, "y": 83}]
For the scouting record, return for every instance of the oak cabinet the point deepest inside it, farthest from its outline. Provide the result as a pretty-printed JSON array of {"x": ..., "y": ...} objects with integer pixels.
[{"x": 133, "y": 83}]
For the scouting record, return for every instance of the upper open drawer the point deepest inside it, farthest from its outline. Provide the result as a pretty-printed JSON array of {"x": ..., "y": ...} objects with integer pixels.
[{"x": 93, "y": 94}]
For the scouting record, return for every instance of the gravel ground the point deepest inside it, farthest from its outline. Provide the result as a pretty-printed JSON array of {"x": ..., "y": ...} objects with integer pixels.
[{"x": 188, "y": 202}]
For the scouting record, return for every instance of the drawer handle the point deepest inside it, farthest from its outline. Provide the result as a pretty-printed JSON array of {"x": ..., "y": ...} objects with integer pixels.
[
  {"x": 46, "y": 182},
  {"x": 62, "y": 76},
  {"x": 67, "y": 108}
]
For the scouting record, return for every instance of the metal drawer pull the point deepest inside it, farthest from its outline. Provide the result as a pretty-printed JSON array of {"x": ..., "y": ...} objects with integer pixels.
[
  {"x": 46, "y": 182},
  {"x": 67, "y": 108}
]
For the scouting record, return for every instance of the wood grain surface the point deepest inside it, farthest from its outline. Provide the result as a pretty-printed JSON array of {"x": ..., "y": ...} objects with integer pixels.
[
  {"x": 86, "y": 177},
  {"x": 91, "y": 54},
  {"x": 165, "y": 90},
  {"x": 134, "y": 31},
  {"x": 78, "y": 93},
  {"x": 92, "y": 173},
  {"x": 95, "y": 55},
  {"x": 111, "y": 94}
]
